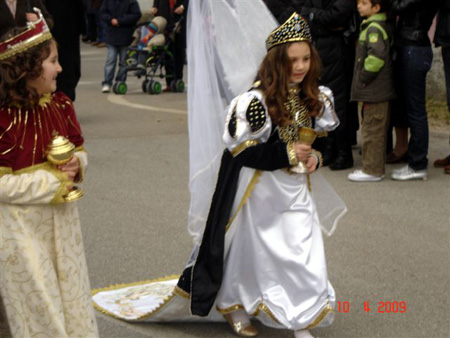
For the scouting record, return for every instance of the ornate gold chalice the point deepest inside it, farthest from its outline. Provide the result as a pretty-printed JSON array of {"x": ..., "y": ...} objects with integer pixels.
[
  {"x": 305, "y": 136},
  {"x": 59, "y": 152}
]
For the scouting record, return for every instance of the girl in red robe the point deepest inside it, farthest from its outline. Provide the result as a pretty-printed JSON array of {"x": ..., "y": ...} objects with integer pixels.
[{"x": 43, "y": 275}]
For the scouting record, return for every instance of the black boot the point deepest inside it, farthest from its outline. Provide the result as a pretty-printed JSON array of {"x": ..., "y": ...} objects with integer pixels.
[{"x": 343, "y": 161}]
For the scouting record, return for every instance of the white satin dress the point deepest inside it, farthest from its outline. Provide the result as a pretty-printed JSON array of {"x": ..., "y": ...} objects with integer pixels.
[{"x": 276, "y": 261}]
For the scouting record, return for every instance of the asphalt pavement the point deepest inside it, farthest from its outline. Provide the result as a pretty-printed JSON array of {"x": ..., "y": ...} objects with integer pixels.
[{"x": 390, "y": 253}]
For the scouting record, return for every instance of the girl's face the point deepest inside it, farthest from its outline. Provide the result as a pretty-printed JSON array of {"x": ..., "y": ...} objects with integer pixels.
[
  {"x": 46, "y": 82},
  {"x": 300, "y": 55}
]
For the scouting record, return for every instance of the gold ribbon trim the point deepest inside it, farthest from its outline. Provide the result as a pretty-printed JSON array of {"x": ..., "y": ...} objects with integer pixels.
[{"x": 244, "y": 145}]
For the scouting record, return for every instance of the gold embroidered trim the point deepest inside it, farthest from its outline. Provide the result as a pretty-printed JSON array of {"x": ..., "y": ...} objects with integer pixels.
[
  {"x": 45, "y": 99},
  {"x": 120, "y": 286},
  {"x": 247, "y": 194},
  {"x": 317, "y": 153},
  {"x": 33, "y": 168},
  {"x": 62, "y": 191},
  {"x": 293, "y": 161},
  {"x": 81, "y": 173},
  {"x": 5, "y": 171},
  {"x": 261, "y": 308},
  {"x": 26, "y": 44},
  {"x": 180, "y": 292},
  {"x": 244, "y": 145},
  {"x": 229, "y": 309},
  {"x": 62, "y": 177},
  {"x": 328, "y": 308},
  {"x": 264, "y": 308}
]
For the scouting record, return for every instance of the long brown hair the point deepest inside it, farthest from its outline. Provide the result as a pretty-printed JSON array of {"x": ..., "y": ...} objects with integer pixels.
[
  {"x": 274, "y": 74},
  {"x": 17, "y": 70}
]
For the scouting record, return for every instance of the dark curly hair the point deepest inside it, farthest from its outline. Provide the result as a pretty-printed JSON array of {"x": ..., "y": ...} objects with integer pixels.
[
  {"x": 274, "y": 74},
  {"x": 18, "y": 69}
]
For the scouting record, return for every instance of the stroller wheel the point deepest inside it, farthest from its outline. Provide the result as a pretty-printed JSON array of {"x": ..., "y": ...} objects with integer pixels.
[
  {"x": 154, "y": 87},
  {"x": 145, "y": 85},
  {"x": 179, "y": 86},
  {"x": 120, "y": 88}
]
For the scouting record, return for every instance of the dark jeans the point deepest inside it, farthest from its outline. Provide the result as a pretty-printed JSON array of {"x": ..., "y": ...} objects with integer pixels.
[{"x": 414, "y": 63}]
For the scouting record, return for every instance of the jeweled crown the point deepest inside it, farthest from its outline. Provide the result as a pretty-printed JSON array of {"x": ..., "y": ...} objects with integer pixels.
[
  {"x": 295, "y": 29},
  {"x": 36, "y": 33}
]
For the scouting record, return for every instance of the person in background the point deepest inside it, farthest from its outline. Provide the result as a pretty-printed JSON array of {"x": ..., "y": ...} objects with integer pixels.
[
  {"x": 283, "y": 9},
  {"x": 413, "y": 61},
  {"x": 44, "y": 283},
  {"x": 442, "y": 39},
  {"x": 373, "y": 85},
  {"x": 69, "y": 19},
  {"x": 332, "y": 27},
  {"x": 92, "y": 8},
  {"x": 175, "y": 12},
  {"x": 120, "y": 18},
  {"x": 14, "y": 13}
]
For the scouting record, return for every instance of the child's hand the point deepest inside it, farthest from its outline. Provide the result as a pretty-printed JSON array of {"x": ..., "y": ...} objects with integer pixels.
[
  {"x": 302, "y": 151},
  {"x": 154, "y": 10},
  {"x": 114, "y": 22},
  {"x": 311, "y": 164},
  {"x": 31, "y": 17},
  {"x": 71, "y": 168},
  {"x": 179, "y": 10}
]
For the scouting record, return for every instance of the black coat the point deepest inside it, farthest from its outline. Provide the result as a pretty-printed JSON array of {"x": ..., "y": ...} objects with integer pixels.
[
  {"x": 414, "y": 20},
  {"x": 334, "y": 34},
  {"x": 128, "y": 13},
  {"x": 7, "y": 21},
  {"x": 164, "y": 10},
  {"x": 69, "y": 24},
  {"x": 442, "y": 34},
  {"x": 283, "y": 9}
]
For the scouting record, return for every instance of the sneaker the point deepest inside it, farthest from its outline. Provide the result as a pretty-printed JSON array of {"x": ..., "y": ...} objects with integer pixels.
[
  {"x": 406, "y": 173},
  {"x": 106, "y": 88},
  {"x": 361, "y": 176}
]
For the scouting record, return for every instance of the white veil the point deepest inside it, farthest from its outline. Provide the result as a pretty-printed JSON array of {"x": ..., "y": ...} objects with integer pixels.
[{"x": 226, "y": 44}]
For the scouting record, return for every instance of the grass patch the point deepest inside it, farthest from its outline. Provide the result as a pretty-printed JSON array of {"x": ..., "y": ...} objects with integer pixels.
[{"x": 438, "y": 113}]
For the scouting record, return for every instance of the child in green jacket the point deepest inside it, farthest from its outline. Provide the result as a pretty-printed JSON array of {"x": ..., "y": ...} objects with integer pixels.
[{"x": 373, "y": 85}]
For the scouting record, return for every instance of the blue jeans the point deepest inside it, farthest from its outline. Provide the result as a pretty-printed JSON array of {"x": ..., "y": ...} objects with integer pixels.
[
  {"x": 110, "y": 65},
  {"x": 414, "y": 63}
]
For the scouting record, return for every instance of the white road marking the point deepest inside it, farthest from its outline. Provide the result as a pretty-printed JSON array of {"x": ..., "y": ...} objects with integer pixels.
[{"x": 118, "y": 99}]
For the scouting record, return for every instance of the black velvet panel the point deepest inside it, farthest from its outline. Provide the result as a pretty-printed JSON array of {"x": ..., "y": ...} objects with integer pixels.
[
  {"x": 208, "y": 269},
  {"x": 265, "y": 156}
]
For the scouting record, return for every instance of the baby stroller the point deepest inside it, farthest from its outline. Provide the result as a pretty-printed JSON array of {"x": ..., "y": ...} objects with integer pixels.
[{"x": 147, "y": 58}]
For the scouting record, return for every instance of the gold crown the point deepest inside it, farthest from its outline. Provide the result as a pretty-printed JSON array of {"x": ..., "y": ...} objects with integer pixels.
[
  {"x": 36, "y": 33},
  {"x": 293, "y": 30}
]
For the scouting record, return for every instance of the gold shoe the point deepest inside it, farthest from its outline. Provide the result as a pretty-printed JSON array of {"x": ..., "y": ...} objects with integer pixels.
[{"x": 239, "y": 329}]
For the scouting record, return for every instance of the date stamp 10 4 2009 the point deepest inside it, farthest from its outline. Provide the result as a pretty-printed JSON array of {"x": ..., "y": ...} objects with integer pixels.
[{"x": 380, "y": 307}]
